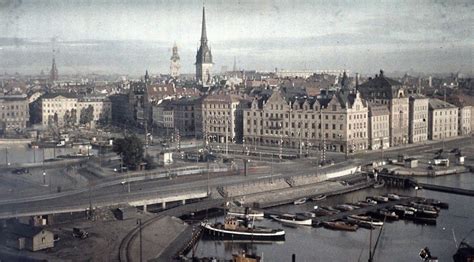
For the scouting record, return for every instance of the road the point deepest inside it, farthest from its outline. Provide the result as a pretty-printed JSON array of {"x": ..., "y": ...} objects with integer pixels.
[{"x": 118, "y": 193}]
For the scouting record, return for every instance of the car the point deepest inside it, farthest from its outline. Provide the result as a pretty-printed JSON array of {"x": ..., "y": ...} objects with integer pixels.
[
  {"x": 20, "y": 171},
  {"x": 80, "y": 233}
]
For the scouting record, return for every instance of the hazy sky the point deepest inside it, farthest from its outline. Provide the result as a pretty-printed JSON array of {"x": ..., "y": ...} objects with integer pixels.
[{"x": 131, "y": 36}]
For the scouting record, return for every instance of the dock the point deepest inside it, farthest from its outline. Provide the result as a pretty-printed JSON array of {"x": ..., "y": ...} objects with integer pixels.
[
  {"x": 357, "y": 211},
  {"x": 452, "y": 190}
]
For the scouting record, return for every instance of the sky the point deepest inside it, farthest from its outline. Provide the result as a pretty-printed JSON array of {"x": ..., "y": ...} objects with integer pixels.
[{"x": 128, "y": 37}]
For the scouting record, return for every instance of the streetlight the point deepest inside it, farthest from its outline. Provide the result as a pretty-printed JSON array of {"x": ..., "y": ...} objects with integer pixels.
[{"x": 44, "y": 178}]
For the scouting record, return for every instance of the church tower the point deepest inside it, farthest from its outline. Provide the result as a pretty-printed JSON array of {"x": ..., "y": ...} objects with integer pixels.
[
  {"x": 204, "y": 56},
  {"x": 175, "y": 65},
  {"x": 53, "y": 74}
]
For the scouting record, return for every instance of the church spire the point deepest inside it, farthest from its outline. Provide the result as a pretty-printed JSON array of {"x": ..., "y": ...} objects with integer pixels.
[
  {"x": 203, "y": 30},
  {"x": 53, "y": 74}
]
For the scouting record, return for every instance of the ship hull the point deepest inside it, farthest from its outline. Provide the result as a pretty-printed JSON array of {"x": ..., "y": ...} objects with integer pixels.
[{"x": 223, "y": 234}]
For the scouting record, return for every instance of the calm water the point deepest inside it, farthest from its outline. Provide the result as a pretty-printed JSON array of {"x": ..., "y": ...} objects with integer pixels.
[{"x": 400, "y": 240}]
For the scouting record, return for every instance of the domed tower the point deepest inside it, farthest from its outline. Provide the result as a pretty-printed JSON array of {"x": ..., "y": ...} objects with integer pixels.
[
  {"x": 204, "y": 56},
  {"x": 175, "y": 63}
]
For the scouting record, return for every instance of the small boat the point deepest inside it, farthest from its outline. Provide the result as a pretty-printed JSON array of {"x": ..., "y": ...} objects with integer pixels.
[
  {"x": 372, "y": 221},
  {"x": 300, "y": 201},
  {"x": 338, "y": 225},
  {"x": 362, "y": 204},
  {"x": 426, "y": 213},
  {"x": 384, "y": 214},
  {"x": 371, "y": 202},
  {"x": 379, "y": 184},
  {"x": 307, "y": 214},
  {"x": 293, "y": 219},
  {"x": 234, "y": 228},
  {"x": 344, "y": 207},
  {"x": 323, "y": 212},
  {"x": 380, "y": 199},
  {"x": 425, "y": 207},
  {"x": 425, "y": 254},
  {"x": 424, "y": 220},
  {"x": 243, "y": 257},
  {"x": 393, "y": 197},
  {"x": 360, "y": 223},
  {"x": 319, "y": 197}
]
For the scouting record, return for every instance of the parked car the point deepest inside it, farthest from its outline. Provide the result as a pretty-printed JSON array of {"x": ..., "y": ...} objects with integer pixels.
[
  {"x": 79, "y": 233},
  {"x": 20, "y": 171}
]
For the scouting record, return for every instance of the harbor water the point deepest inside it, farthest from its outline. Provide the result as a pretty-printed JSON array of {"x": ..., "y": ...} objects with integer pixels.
[{"x": 399, "y": 241}]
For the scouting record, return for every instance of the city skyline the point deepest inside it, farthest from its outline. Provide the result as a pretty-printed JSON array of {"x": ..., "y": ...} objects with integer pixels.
[{"x": 127, "y": 38}]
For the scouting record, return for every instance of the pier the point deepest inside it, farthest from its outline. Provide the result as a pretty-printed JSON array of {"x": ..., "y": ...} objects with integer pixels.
[
  {"x": 358, "y": 211},
  {"x": 452, "y": 190}
]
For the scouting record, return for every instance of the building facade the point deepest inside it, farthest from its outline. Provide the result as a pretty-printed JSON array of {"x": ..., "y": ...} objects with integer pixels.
[
  {"x": 418, "y": 119},
  {"x": 464, "y": 118},
  {"x": 63, "y": 109},
  {"x": 14, "y": 113},
  {"x": 442, "y": 120},
  {"x": 383, "y": 90},
  {"x": 379, "y": 122},
  {"x": 219, "y": 118},
  {"x": 204, "y": 57},
  {"x": 337, "y": 124}
]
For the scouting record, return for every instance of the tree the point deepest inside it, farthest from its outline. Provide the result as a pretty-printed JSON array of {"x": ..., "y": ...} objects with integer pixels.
[
  {"x": 150, "y": 162},
  {"x": 67, "y": 118},
  {"x": 87, "y": 115},
  {"x": 56, "y": 118},
  {"x": 131, "y": 150},
  {"x": 73, "y": 118}
]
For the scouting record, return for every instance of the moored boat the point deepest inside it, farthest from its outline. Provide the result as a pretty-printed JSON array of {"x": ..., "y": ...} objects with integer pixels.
[
  {"x": 379, "y": 184},
  {"x": 238, "y": 229},
  {"x": 338, "y": 225},
  {"x": 293, "y": 219},
  {"x": 300, "y": 201},
  {"x": 344, "y": 207},
  {"x": 384, "y": 214},
  {"x": 380, "y": 199},
  {"x": 319, "y": 197},
  {"x": 393, "y": 197},
  {"x": 372, "y": 221}
]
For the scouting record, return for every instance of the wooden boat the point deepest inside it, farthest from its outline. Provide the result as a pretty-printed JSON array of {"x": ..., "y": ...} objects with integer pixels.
[
  {"x": 243, "y": 257},
  {"x": 360, "y": 223},
  {"x": 425, "y": 254},
  {"x": 424, "y": 220},
  {"x": 372, "y": 221},
  {"x": 338, "y": 225},
  {"x": 384, "y": 214},
  {"x": 300, "y": 201},
  {"x": 425, "y": 207},
  {"x": 379, "y": 184},
  {"x": 393, "y": 197},
  {"x": 307, "y": 214},
  {"x": 371, "y": 202},
  {"x": 323, "y": 212},
  {"x": 244, "y": 212},
  {"x": 344, "y": 207},
  {"x": 362, "y": 204},
  {"x": 293, "y": 219},
  {"x": 319, "y": 197},
  {"x": 380, "y": 199},
  {"x": 426, "y": 213},
  {"x": 234, "y": 228}
]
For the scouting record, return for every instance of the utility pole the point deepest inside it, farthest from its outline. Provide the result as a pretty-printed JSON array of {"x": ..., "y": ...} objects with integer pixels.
[{"x": 271, "y": 174}]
